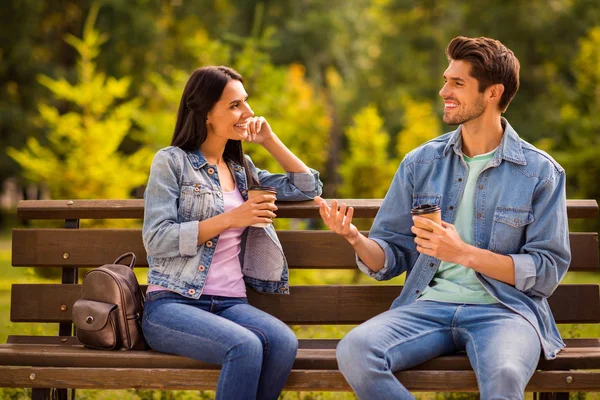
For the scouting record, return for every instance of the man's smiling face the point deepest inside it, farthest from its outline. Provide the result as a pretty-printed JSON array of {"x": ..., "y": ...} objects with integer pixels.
[{"x": 462, "y": 100}]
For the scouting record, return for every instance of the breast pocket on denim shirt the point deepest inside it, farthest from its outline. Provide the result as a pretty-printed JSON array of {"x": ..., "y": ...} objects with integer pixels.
[
  {"x": 195, "y": 201},
  {"x": 508, "y": 229}
]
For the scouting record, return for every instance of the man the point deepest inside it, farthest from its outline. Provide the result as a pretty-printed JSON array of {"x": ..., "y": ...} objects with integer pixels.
[{"x": 478, "y": 281}]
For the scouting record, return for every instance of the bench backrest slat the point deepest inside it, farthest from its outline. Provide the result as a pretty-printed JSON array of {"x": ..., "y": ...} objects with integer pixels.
[
  {"x": 94, "y": 247},
  {"x": 111, "y": 209},
  {"x": 336, "y": 304}
]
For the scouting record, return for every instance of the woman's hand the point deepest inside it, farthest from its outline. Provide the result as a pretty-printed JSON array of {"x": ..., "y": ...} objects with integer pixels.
[
  {"x": 259, "y": 131},
  {"x": 254, "y": 211},
  {"x": 339, "y": 221}
]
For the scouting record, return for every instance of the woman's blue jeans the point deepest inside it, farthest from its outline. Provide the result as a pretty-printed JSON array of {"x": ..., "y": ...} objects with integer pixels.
[
  {"x": 255, "y": 349},
  {"x": 503, "y": 348}
]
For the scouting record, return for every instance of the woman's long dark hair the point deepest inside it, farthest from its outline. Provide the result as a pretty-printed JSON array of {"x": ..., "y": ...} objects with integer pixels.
[{"x": 202, "y": 91}]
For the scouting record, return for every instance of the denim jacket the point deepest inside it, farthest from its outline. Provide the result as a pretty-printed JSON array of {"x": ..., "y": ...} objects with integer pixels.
[
  {"x": 520, "y": 211},
  {"x": 183, "y": 188}
]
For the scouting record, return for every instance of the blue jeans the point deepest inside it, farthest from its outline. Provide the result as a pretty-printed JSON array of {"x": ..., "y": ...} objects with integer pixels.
[
  {"x": 503, "y": 348},
  {"x": 255, "y": 349}
]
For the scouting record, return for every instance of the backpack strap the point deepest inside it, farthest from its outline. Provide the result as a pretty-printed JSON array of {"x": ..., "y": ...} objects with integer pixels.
[{"x": 125, "y": 256}]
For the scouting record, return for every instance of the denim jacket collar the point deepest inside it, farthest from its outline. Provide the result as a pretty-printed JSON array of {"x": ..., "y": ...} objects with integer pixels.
[{"x": 509, "y": 149}]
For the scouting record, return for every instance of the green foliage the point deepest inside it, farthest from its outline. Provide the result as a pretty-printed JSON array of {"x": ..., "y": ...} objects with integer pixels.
[
  {"x": 82, "y": 155},
  {"x": 367, "y": 169},
  {"x": 421, "y": 124}
]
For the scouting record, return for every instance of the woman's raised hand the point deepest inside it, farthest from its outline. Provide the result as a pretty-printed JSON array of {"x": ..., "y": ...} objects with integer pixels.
[
  {"x": 259, "y": 130},
  {"x": 259, "y": 209},
  {"x": 339, "y": 221}
]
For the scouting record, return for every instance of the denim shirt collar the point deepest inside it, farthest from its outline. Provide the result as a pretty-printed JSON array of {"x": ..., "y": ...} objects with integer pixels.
[{"x": 509, "y": 149}]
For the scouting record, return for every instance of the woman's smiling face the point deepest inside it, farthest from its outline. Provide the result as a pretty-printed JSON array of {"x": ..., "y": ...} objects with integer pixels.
[{"x": 230, "y": 115}]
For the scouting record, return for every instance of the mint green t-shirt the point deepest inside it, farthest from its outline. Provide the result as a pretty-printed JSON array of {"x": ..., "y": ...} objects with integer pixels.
[{"x": 454, "y": 283}]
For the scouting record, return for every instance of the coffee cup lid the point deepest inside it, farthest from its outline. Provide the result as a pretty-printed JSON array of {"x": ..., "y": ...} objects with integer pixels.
[
  {"x": 425, "y": 209},
  {"x": 264, "y": 188}
]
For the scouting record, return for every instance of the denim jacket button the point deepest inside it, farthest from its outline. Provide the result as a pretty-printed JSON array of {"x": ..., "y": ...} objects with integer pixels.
[
  {"x": 211, "y": 171},
  {"x": 191, "y": 291},
  {"x": 431, "y": 264},
  {"x": 460, "y": 179},
  {"x": 479, "y": 215},
  {"x": 480, "y": 186},
  {"x": 478, "y": 243},
  {"x": 201, "y": 268},
  {"x": 451, "y": 208},
  {"x": 209, "y": 244}
]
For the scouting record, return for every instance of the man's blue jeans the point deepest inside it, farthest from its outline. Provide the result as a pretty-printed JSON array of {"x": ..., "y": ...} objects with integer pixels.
[
  {"x": 255, "y": 349},
  {"x": 503, "y": 348}
]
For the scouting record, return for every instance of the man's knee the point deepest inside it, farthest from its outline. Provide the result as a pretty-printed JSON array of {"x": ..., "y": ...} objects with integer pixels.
[
  {"x": 355, "y": 351},
  {"x": 505, "y": 382}
]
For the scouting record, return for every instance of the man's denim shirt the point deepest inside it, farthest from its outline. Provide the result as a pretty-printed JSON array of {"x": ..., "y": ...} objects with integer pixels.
[
  {"x": 520, "y": 211},
  {"x": 183, "y": 188}
]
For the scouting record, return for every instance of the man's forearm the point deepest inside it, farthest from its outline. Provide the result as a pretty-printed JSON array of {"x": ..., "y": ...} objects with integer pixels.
[
  {"x": 369, "y": 252},
  {"x": 496, "y": 266}
]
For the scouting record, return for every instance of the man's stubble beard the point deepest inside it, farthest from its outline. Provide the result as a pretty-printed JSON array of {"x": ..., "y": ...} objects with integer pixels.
[{"x": 472, "y": 113}]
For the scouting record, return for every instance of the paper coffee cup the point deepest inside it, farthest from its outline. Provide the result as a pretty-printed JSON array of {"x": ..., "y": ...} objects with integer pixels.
[
  {"x": 254, "y": 191},
  {"x": 429, "y": 211}
]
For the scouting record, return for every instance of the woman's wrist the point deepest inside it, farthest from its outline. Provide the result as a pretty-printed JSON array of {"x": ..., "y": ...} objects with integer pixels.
[{"x": 271, "y": 142}]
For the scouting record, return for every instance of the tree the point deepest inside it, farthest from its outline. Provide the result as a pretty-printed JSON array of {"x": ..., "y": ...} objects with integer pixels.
[
  {"x": 82, "y": 156},
  {"x": 367, "y": 169}
]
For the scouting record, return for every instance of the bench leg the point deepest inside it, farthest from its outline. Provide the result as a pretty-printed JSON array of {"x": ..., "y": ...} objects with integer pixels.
[
  {"x": 552, "y": 396},
  {"x": 40, "y": 394},
  {"x": 52, "y": 394}
]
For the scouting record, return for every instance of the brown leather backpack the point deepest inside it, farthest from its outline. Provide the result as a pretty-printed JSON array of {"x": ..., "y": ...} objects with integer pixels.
[{"x": 109, "y": 313}]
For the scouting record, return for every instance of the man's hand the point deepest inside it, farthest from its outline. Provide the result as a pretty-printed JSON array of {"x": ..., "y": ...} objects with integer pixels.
[
  {"x": 443, "y": 243},
  {"x": 339, "y": 221}
]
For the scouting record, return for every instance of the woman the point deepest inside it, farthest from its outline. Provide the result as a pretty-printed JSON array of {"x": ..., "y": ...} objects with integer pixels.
[{"x": 202, "y": 250}]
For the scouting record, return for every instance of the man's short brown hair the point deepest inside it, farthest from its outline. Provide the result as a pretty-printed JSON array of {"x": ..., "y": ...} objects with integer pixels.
[{"x": 491, "y": 63}]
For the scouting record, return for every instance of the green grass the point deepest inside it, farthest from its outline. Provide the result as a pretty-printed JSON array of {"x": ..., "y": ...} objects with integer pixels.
[{"x": 10, "y": 275}]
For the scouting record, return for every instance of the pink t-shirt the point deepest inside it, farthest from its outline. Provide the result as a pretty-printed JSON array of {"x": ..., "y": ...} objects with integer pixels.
[{"x": 225, "y": 274}]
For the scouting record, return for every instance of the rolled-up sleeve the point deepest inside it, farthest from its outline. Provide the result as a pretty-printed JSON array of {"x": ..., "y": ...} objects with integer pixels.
[
  {"x": 291, "y": 186},
  {"x": 390, "y": 260}
]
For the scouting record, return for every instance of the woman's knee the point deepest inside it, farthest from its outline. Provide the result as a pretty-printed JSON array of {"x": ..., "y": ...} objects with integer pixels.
[
  {"x": 283, "y": 342},
  {"x": 248, "y": 347}
]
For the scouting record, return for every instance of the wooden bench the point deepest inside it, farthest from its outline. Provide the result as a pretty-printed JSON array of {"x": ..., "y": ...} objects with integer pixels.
[{"x": 43, "y": 362}]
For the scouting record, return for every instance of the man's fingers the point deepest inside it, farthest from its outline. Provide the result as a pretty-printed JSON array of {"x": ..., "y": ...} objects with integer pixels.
[
  {"x": 339, "y": 220},
  {"x": 349, "y": 216}
]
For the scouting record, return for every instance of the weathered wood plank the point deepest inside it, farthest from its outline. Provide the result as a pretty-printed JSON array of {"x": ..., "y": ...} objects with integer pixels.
[
  {"x": 100, "y": 209},
  {"x": 312, "y": 354},
  {"x": 94, "y": 247},
  {"x": 332, "y": 304},
  {"x": 299, "y": 380}
]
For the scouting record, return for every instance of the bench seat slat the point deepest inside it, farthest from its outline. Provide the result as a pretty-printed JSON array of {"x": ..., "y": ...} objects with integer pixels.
[
  {"x": 110, "y": 209},
  {"x": 312, "y": 354},
  {"x": 94, "y": 247},
  {"x": 299, "y": 380},
  {"x": 332, "y": 304}
]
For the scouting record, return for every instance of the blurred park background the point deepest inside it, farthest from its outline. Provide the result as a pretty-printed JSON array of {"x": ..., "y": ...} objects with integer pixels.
[{"x": 89, "y": 91}]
